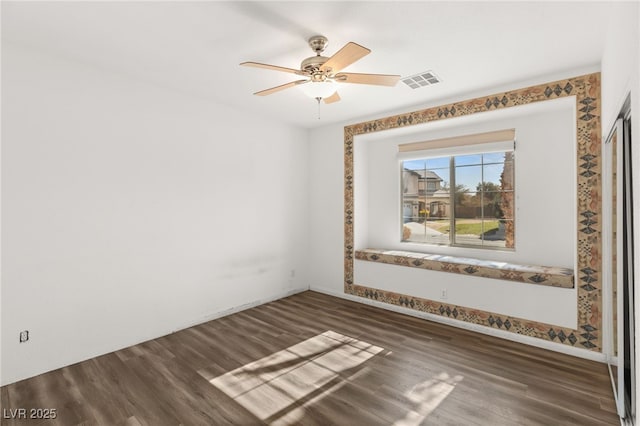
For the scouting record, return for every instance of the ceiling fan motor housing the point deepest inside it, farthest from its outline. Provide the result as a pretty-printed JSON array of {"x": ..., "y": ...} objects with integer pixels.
[
  {"x": 318, "y": 43},
  {"x": 313, "y": 63}
]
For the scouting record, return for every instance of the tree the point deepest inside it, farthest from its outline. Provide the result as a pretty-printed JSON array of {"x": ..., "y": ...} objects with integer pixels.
[
  {"x": 461, "y": 195},
  {"x": 488, "y": 187},
  {"x": 461, "y": 192},
  {"x": 506, "y": 205},
  {"x": 491, "y": 194}
]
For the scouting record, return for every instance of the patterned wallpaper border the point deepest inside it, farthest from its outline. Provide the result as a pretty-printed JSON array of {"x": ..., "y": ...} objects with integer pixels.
[
  {"x": 477, "y": 316},
  {"x": 527, "y": 274},
  {"x": 586, "y": 90}
]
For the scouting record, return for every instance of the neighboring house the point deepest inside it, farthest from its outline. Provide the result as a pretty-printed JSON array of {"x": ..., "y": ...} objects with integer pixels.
[{"x": 422, "y": 190}]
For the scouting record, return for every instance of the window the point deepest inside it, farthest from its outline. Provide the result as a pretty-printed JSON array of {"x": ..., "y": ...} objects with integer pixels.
[{"x": 468, "y": 201}]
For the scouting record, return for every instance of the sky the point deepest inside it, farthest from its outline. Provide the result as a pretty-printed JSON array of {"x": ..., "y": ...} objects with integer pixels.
[{"x": 470, "y": 169}]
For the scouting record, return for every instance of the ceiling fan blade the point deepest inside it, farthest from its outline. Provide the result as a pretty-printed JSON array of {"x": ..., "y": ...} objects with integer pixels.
[
  {"x": 376, "y": 79},
  {"x": 331, "y": 99},
  {"x": 272, "y": 67},
  {"x": 281, "y": 87},
  {"x": 344, "y": 57}
]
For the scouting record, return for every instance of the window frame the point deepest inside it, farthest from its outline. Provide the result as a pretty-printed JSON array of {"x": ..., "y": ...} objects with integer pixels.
[{"x": 460, "y": 151}]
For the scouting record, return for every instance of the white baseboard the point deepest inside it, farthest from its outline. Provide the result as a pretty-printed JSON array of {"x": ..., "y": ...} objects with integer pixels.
[
  {"x": 236, "y": 309},
  {"x": 532, "y": 341}
]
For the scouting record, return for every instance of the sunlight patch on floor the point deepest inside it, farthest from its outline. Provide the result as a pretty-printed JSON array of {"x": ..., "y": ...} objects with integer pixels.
[
  {"x": 296, "y": 415},
  {"x": 427, "y": 396},
  {"x": 296, "y": 375}
]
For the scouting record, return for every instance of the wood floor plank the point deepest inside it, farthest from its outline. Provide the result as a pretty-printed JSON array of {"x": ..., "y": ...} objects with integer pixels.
[{"x": 313, "y": 359}]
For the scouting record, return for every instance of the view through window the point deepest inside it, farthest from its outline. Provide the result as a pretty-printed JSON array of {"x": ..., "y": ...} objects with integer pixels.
[{"x": 462, "y": 200}]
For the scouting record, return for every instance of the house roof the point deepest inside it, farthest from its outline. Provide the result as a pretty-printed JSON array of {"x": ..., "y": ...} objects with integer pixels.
[
  {"x": 441, "y": 193},
  {"x": 425, "y": 174}
]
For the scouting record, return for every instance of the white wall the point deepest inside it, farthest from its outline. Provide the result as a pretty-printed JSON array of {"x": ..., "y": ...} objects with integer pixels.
[
  {"x": 326, "y": 208},
  {"x": 545, "y": 208},
  {"x": 620, "y": 62},
  {"x": 131, "y": 211},
  {"x": 326, "y": 170}
]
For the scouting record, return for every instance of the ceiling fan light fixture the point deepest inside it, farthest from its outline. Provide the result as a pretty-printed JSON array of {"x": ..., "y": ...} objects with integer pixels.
[{"x": 319, "y": 89}]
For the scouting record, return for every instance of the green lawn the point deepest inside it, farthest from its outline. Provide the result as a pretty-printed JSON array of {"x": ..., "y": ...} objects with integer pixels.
[
  {"x": 476, "y": 228},
  {"x": 439, "y": 225},
  {"x": 465, "y": 226}
]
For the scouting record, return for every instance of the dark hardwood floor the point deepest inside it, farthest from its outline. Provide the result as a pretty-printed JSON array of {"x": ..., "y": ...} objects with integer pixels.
[{"x": 313, "y": 359}]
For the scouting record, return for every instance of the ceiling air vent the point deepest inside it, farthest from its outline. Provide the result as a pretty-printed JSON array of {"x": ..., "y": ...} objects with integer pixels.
[{"x": 426, "y": 78}]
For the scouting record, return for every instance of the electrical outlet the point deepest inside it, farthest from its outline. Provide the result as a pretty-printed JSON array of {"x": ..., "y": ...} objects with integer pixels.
[
  {"x": 24, "y": 336},
  {"x": 443, "y": 295}
]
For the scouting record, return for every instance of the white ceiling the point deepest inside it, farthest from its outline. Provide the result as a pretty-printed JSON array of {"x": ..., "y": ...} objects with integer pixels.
[{"x": 196, "y": 47}]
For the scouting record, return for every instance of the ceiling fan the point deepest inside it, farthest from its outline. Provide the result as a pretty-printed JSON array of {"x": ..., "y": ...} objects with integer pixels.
[{"x": 321, "y": 73}]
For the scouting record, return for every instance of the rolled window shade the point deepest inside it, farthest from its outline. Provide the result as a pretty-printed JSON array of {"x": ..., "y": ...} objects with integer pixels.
[{"x": 507, "y": 135}]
